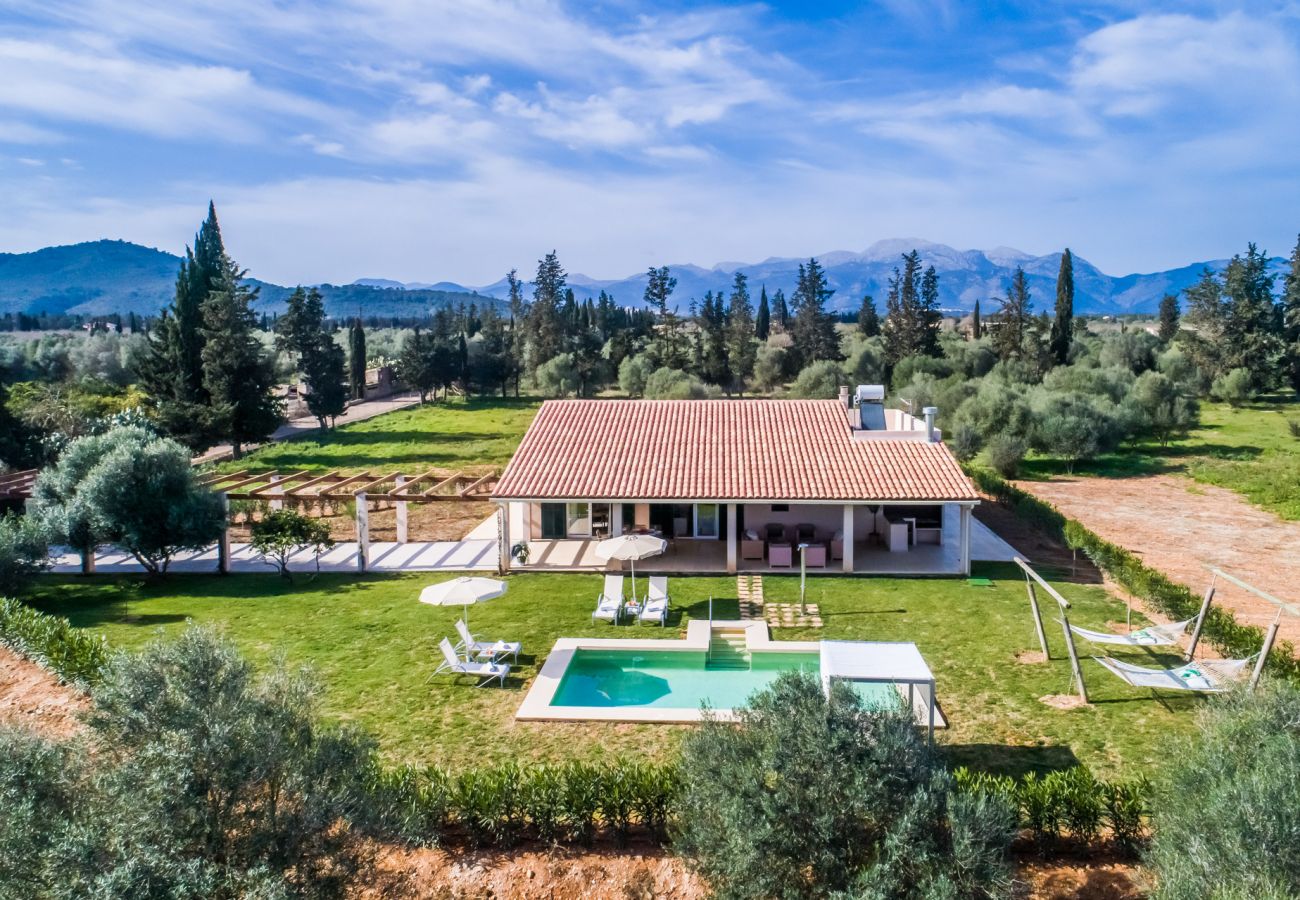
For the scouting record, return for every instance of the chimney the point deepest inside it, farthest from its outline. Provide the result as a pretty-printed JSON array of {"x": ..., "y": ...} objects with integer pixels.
[
  {"x": 929, "y": 412},
  {"x": 844, "y": 396}
]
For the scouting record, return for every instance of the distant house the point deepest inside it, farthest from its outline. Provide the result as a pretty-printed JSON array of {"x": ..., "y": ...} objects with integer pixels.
[{"x": 738, "y": 485}]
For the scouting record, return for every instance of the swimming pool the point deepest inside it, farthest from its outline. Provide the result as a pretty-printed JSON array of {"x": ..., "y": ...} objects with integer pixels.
[
  {"x": 669, "y": 679},
  {"x": 718, "y": 665}
]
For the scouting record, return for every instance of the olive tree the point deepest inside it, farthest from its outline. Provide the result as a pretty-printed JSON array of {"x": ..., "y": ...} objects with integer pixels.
[
  {"x": 197, "y": 778},
  {"x": 818, "y": 381},
  {"x": 1224, "y": 815},
  {"x": 807, "y": 795},
  {"x": 282, "y": 532},
  {"x": 131, "y": 488}
]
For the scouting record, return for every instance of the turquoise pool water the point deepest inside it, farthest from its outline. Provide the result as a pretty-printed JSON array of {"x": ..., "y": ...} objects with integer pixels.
[{"x": 674, "y": 679}]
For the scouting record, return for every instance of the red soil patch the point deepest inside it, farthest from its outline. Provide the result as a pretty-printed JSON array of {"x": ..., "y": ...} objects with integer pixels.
[
  {"x": 1180, "y": 528},
  {"x": 33, "y": 697},
  {"x": 1056, "y": 880}
]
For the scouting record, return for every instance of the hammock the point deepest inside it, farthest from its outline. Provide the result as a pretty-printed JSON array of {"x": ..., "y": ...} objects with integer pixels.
[
  {"x": 1153, "y": 636},
  {"x": 1211, "y": 675}
]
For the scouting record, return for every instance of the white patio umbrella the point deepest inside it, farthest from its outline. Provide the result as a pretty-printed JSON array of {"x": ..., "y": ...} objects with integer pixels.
[
  {"x": 463, "y": 591},
  {"x": 631, "y": 547}
]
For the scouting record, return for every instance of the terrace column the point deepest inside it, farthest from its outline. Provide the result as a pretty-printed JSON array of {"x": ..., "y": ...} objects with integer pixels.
[
  {"x": 273, "y": 487},
  {"x": 731, "y": 539},
  {"x": 398, "y": 483},
  {"x": 847, "y": 527},
  {"x": 223, "y": 542},
  {"x": 363, "y": 530},
  {"x": 965, "y": 540},
  {"x": 503, "y": 537}
]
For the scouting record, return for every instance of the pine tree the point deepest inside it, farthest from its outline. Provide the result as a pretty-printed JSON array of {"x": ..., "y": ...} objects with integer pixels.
[
  {"x": 1014, "y": 319},
  {"x": 976, "y": 327},
  {"x": 763, "y": 322},
  {"x": 297, "y": 329},
  {"x": 324, "y": 370},
  {"x": 912, "y": 316},
  {"x": 1291, "y": 317},
  {"x": 666, "y": 346},
  {"x": 1252, "y": 332},
  {"x": 742, "y": 350},
  {"x": 868, "y": 318},
  {"x": 519, "y": 315},
  {"x": 1168, "y": 318},
  {"x": 545, "y": 322},
  {"x": 237, "y": 375},
  {"x": 357, "y": 360},
  {"x": 1062, "y": 330},
  {"x": 812, "y": 328}
]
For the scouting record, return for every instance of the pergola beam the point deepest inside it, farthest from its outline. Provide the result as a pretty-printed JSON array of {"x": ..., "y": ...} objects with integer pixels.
[{"x": 465, "y": 491}]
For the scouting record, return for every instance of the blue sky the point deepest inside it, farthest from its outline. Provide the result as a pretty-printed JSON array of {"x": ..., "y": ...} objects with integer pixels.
[{"x": 421, "y": 140}]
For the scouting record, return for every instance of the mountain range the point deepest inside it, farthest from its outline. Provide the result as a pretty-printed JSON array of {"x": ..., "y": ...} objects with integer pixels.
[{"x": 116, "y": 276}]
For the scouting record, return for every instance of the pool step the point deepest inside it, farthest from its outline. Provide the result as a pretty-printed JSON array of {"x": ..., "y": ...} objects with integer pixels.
[{"x": 728, "y": 650}]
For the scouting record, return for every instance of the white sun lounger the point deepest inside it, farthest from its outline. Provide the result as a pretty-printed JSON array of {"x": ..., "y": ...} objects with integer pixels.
[
  {"x": 609, "y": 605},
  {"x": 655, "y": 608},
  {"x": 488, "y": 671},
  {"x": 472, "y": 646}
]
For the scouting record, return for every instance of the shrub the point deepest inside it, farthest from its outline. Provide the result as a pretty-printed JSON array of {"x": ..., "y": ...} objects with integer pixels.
[
  {"x": 1005, "y": 454},
  {"x": 487, "y": 803},
  {"x": 1167, "y": 411},
  {"x": 820, "y": 380},
  {"x": 283, "y": 532},
  {"x": 1235, "y": 387},
  {"x": 76, "y": 655},
  {"x": 24, "y": 551},
  {"x": 1293, "y": 426},
  {"x": 769, "y": 367},
  {"x": 965, "y": 443},
  {"x": 806, "y": 795},
  {"x": 1225, "y": 810},
  {"x": 556, "y": 377},
  {"x": 1134, "y": 350},
  {"x": 1071, "y": 428},
  {"x": 411, "y": 803}
]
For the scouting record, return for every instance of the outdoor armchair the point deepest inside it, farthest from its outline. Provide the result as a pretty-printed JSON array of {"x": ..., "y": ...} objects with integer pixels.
[{"x": 488, "y": 671}]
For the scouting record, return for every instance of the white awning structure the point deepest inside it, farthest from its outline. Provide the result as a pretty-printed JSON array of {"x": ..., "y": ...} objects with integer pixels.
[{"x": 884, "y": 662}]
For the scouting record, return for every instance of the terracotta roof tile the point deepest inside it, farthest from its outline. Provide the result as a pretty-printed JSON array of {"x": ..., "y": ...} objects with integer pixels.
[{"x": 720, "y": 450}]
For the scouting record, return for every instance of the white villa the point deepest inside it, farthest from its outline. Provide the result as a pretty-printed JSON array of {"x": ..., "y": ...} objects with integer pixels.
[{"x": 738, "y": 485}]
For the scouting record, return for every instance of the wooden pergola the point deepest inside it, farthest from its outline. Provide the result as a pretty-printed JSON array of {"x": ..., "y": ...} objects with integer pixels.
[
  {"x": 364, "y": 488},
  {"x": 18, "y": 485}
]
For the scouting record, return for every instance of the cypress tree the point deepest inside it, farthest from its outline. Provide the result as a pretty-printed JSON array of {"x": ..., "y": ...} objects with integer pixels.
[
  {"x": 976, "y": 327},
  {"x": 1168, "y": 318},
  {"x": 1062, "y": 329},
  {"x": 780, "y": 311},
  {"x": 763, "y": 322},
  {"x": 912, "y": 316},
  {"x": 357, "y": 360}
]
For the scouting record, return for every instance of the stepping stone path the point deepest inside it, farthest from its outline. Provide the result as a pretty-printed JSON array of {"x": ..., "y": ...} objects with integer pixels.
[
  {"x": 749, "y": 588},
  {"x": 787, "y": 615}
]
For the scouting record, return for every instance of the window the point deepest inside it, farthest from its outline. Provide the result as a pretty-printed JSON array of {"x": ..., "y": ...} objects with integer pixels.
[
  {"x": 578, "y": 519},
  {"x": 552, "y": 521},
  {"x": 780, "y": 507},
  {"x": 706, "y": 520}
]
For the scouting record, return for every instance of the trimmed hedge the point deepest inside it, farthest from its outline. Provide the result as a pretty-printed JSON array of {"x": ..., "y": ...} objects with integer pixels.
[
  {"x": 1221, "y": 629},
  {"x": 1070, "y": 802},
  {"x": 75, "y": 655},
  {"x": 500, "y": 805}
]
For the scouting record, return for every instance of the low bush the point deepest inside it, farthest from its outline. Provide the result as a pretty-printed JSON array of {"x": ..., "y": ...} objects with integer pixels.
[
  {"x": 1235, "y": 387},
  {"x": 1069, "y": 803},
  {"x": 75, "y": 655},
  {"x": 24, "y": 552}
]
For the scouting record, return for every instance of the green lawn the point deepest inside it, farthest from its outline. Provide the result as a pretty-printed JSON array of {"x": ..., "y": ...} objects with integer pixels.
[
  {"x": 373, "y": 647},
  {"x": 1249, "y": 450},
  {"x": 455, "y": 434}
]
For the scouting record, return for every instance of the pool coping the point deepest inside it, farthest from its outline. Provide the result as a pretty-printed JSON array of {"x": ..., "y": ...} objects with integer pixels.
[{"x": 536, "y": 705}]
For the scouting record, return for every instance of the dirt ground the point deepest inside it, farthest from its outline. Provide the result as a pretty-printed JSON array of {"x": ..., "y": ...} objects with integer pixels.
[
  {"x": 443, "y": 521},
  {"x": 33, "y": 698},
  {"x": 1181, "y": 528}
]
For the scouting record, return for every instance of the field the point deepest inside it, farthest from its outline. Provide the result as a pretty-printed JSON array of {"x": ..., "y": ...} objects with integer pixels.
[
  {"x": 468, "y": 434},
  {"x": 1249, "y": 450},
  {"x": 373, "y": 647}
]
